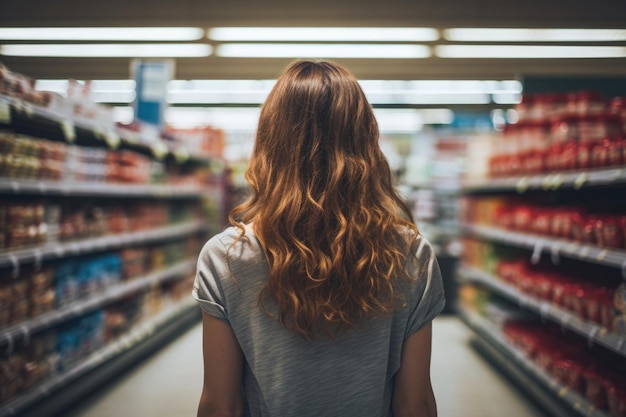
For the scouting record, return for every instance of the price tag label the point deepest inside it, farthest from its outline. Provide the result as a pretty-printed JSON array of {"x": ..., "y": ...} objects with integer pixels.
[
  {"x": 112, "y": 139},
  {"x": 547, "y": 182},
  {"x": 159, "y": 150},
  {"x": 557, "y": 181},
  {"x": 581, "y": 180},
  {"x": 522, "y": 185},
  {"x": 69, "y": 131},
  {"x": 181, "y": 154},
  {"x": 5, "y": 112},
  {"x": 28, "y": 109}
]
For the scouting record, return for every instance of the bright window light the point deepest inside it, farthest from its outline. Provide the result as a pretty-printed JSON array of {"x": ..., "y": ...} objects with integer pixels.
[
  {"x": 286, "y": 50},
  {"x": 533, "y": 35},
  {"x": 437, "y": 116},
  {"x": 103, "y": 34},
  {"x": 327, "y": 34},
  {"x": 399, "y": 120},
  {"x": 166, "y": 50},
  {"x": 524, "y": 51},
  {"x": 123, "y": 115},
  {"x": 218, "y": 91}
]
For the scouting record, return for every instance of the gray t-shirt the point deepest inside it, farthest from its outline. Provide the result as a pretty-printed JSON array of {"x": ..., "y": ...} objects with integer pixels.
[{"x": 286, "y": 375}]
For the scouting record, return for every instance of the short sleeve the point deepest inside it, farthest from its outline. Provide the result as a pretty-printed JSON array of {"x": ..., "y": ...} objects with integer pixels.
[
  {"x": 432, "y": 300},
  {"x": 212, "y": 267}
]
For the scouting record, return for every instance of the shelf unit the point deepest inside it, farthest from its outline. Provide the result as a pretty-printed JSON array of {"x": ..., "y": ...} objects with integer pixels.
[
  {"x": 554, "y": 181},
  {"x": 555, "y": 247},
  {"x": 28, "y": 118},
  {"x": 55, "y": 393},
  {"x": 547, "y": 310},
  {"x": 38, "y": 254},
  {"x": 97, "y": 189},
  {"x": 23, "y": 331},
  {"x": 552, "y": 395},
  {"x": 557, "y": 400}
]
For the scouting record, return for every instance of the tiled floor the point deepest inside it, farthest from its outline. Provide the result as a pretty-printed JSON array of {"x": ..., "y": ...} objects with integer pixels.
[{"x": 168, "y": 384}]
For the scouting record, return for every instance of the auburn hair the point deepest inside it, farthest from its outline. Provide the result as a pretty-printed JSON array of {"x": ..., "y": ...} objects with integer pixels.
[{"x": 335, "y": 232}]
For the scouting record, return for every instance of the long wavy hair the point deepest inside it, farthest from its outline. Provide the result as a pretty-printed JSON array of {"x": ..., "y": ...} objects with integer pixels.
[{"x": 335, "y": 232}]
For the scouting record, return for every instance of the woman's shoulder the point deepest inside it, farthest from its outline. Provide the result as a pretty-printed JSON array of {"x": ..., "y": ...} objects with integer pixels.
[{"x": 233, "y": 243}]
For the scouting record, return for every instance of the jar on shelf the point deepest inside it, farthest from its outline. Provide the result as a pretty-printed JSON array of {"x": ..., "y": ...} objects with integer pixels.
[
  {"x": 563, "y": 139},
  {"x": 588, "y": 102}
]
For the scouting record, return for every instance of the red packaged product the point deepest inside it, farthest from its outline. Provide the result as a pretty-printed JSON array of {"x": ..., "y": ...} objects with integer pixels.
[
  {"x": 616, "y": 394},
  {"x": 583, "y": 159},
  {"x": 599, "y": 306},
  {"x": 522, "y": 217},
  {"x": 596, "y": 387},
  {"x": 583, "y": 228},
  {"x": 608, "y": 231}
]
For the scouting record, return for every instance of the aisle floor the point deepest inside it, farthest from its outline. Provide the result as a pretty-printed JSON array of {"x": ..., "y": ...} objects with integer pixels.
[{"x": 168, "y": 383}]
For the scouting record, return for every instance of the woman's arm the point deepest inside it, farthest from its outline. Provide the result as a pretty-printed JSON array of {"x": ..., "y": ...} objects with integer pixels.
[
  {"x": 413, "y": 393},
  {"x": 223, "y": 367}
]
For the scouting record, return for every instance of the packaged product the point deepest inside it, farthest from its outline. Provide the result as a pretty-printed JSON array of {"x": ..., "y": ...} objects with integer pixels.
[
  {"x": 619, "y": 299},
  {"x": 617, "y": 398},
  {"x": 619, "y": 324}
]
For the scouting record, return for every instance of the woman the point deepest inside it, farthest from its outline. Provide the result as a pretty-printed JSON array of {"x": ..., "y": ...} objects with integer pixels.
[{"x": 318, "y": 301}]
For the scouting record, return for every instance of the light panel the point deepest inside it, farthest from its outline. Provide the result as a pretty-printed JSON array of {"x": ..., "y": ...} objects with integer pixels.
[
  {"x": 140, "y": 50},
  {"x": 319, "y": 50},
  {"x": 529, "y": 51},
  {"x": 533, "y": 35},
  {"x": 326, "y": 34},
  {"x": 102, "y": 34}
]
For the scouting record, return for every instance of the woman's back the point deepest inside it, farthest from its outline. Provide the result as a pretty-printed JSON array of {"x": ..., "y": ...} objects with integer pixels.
[
  {"x": 288, "y": 375},
  {"x": 317, "y": 309}
]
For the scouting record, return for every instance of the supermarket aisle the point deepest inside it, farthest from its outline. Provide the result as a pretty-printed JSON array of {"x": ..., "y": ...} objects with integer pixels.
[{"x": 168, "y": 384}]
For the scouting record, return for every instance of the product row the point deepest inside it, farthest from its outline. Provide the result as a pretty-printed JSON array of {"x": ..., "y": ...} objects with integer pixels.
[
  {"x": 61, "y": 283},
  {"x": 26, "y": 157},
  {"x": 600, "y": 222},
  {"x": 597, "y": 375},
  {"x": 555, "y": 132},
  {"x": 58, "y": 350},
  {"x": 76, "y": 103},
  {"x": 592, "y": 293},
  {"x": 28, "y": 223},
  {"x": 76, "y": 106}
]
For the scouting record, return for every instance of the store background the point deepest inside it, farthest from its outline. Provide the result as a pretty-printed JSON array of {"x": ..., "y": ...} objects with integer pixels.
[{"x": 441, "y": 119}]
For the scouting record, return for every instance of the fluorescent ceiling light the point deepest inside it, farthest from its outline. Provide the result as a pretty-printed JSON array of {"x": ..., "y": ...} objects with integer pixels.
[
  {"x": 103, "y": 34},
  {"x": 318, "y": 50},
  {"x": 534, "y": 35},
  {"x": 525, "y": 51},
  {"x": 328, "y": 34},
  {"x": 165, "y": 50}
]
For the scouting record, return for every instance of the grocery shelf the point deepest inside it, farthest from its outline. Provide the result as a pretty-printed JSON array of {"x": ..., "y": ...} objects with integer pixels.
[
  {"x": 57, "y": 250},
  {"x": 23, "y": 331},
  {"x": 556, "y": 398},
  {"x": 40, "y": 121},
  {"x": 97, "y": 189},
  {"x": 555, "y": 247},
  {"x": 56, "y": 393},
  {"x": 576, "y": 180},
  {"x": 546, "y": 310}
]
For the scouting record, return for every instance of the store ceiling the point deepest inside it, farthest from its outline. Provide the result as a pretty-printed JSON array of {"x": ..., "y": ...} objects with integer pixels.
[{"x": 439, "y": 14}]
